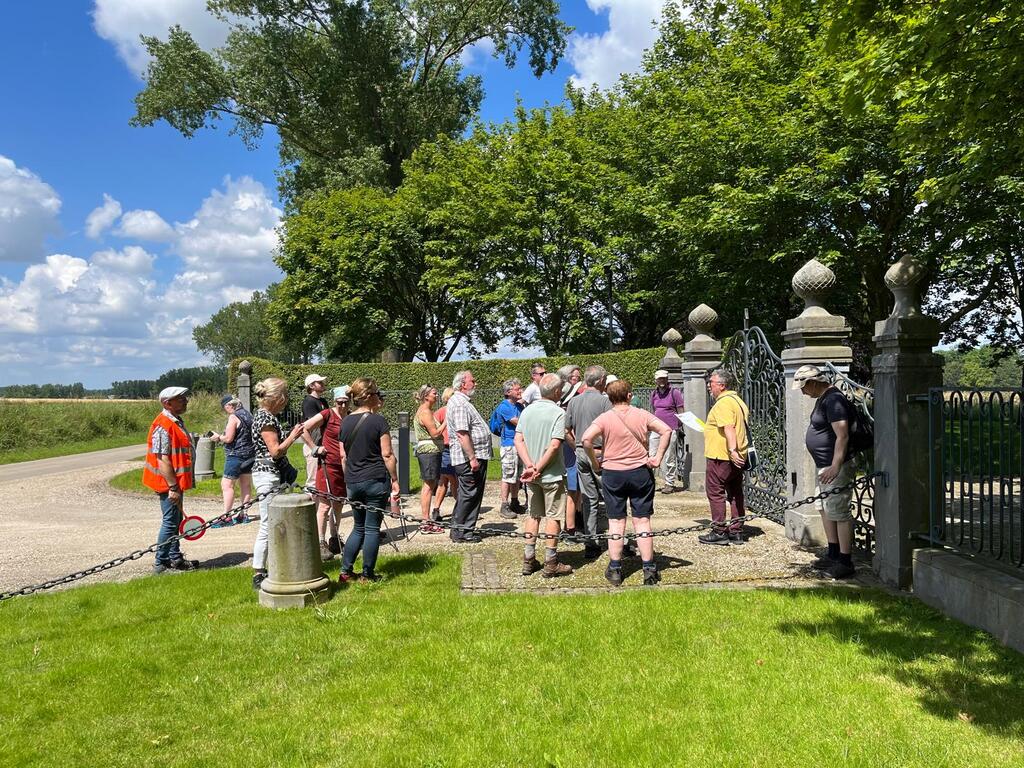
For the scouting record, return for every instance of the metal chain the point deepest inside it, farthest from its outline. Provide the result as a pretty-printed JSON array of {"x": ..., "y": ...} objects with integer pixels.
[
  {"x": 483, "y": 531},
  {"x": 78, "y": 575}
]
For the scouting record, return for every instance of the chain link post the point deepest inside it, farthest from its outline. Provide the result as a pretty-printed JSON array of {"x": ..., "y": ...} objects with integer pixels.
[
  {"x": 295, "y": 577},
  {"x": 404, "y": 457}
]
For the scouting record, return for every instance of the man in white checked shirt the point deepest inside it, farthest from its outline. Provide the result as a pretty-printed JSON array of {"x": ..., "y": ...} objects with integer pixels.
[{"x": 470, "y": 439}]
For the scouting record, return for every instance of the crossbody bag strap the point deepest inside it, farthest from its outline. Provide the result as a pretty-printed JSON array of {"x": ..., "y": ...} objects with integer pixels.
[
  {"x": 355, "y": 431},
  {"x": 630, "y": 429}
]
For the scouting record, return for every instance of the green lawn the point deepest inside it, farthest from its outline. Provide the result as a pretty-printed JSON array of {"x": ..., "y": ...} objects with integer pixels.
[
  {"x": 132, "y": 479},
  {"x": 189, "y": 670}
]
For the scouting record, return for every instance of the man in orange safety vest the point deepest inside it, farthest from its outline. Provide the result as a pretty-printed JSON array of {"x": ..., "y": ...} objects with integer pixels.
[{"x": 168, "y": 471}]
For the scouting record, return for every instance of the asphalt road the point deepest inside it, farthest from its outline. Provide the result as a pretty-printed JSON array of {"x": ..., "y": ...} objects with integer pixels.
[{"x": 27, "y": 469}]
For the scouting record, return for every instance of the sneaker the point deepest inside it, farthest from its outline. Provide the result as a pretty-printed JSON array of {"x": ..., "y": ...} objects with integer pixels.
[
  {"x": 530, "y": 566},
  {"x": 714, "y": 537},
  {"x": 241, "y": 519},
  {"x": 651, "y": 576},
  {"x": 325, "y": 552},
  {"x": 737, "y": 538},
  {"x": 345, "y": 577},
  {"x": 258, "y": 578},
  {"x": 841, "y": 571},
  {"x": 181, "y": 564},
  {"x": 470, "y": 538},
  {"x": 161, "y": 568},
  {"x": 823, "y": 563},
  {"x": 506, "y": 511},
  {"x": 554, "y": 568},
  {"x": 369, "y": 578},
  {"x": 669, "y": 489},
  {"x": 614, "y": 576},
  {"x": 223, "y": 523}
]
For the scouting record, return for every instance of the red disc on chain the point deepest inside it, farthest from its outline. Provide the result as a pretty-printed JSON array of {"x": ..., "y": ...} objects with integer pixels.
[{"x": 191, "y": 527}]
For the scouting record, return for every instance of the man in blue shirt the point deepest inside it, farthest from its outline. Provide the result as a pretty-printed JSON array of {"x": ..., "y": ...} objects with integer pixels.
[{"x": 511, "y": 467}]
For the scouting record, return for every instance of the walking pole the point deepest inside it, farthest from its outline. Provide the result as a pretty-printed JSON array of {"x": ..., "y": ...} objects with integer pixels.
[{"x": 331, "y": 517}]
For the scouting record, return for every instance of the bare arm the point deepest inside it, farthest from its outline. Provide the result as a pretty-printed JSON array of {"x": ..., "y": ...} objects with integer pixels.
[
  {"x": 389, "y": 460},
  {"x": 427, "y": 422},
  {"x": 277, "y": 450},
  {"x": 307, "y": 426},
  {"x": 842, "y": 430},
  {"x": 663, "y": 430},
  {"x": 230, "y": 430},
  {"x": 588, "y": 445}
]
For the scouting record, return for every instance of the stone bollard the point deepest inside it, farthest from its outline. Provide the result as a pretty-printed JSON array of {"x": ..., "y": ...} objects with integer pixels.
[
  {"x": 204, "y": 458},
  {"x": 295, "y": 577},
  {"x": 700, "y": 355}
]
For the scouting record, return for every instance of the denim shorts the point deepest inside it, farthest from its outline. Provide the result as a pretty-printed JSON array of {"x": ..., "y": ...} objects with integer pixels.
[
  {"x": 236, "y": 466},
  {"x": 446, "y": 462},
  {"x": 633, "y": 485}
]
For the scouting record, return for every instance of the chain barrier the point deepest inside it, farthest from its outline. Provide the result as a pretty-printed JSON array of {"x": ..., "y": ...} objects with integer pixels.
[
  {"x": 78, "y": 575},
  {"x": 483, "y": 531}
]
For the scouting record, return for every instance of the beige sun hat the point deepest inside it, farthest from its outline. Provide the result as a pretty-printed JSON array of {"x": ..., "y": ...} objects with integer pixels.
[{"x": 807, "y": 373}]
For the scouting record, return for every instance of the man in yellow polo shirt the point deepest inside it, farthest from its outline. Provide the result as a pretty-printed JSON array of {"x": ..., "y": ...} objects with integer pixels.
[{"x": 725, "y": 448}]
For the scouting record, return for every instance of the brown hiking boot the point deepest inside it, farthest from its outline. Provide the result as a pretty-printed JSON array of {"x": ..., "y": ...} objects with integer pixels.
[
  {"x": 530, "y": 566},
  {"x": 554, "y": 568}
]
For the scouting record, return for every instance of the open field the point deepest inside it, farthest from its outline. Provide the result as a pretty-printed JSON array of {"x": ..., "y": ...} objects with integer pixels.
[
  {"x": 39, "y": 429},
  {"x": 189, "y": 670}
]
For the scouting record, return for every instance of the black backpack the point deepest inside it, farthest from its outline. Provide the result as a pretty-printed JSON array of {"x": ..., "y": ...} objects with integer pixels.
[{"x": 862, "y": 431}]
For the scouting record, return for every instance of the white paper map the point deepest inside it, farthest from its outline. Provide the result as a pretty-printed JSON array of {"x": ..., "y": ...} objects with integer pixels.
[{"x": 691, "y": 421}]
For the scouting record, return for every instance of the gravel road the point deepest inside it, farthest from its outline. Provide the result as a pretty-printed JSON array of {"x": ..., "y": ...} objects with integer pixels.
[{"x": 54, "y": 524}]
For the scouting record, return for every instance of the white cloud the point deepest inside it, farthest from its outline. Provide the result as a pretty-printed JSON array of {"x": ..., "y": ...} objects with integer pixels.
[
  {"x": 144, "y": 225},
  {"x": 601, "y": 59},
  {"x": 28, "y": 213},
  {"x": 108, "y": 318},
  {"x": 101, "y": 218},
  {"x": 121, "y": 22}
]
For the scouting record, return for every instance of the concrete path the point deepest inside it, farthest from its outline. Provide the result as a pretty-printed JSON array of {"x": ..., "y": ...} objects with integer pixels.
[{"x": 58, "y": 464}]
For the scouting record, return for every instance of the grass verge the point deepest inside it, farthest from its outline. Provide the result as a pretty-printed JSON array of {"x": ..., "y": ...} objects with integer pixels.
[{"x": 189, "y": 670}]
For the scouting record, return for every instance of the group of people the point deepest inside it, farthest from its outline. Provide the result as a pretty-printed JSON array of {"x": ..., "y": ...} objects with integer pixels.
[{"x": 574, "y": 441}]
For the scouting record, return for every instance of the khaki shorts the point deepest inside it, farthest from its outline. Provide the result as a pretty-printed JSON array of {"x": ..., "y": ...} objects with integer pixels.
[
  {"x": 511, "y": 465},
  {"x": 547, "y": 500},
  {"x": 837, "y": 507}
]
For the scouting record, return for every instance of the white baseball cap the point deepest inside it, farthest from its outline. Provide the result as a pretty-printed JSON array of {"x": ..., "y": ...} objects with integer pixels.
[
  {"x": 314, "y": 377},
  {"x": 610, "y": 378},
  {"x": 168, "y": 392},
  {"x": 661, "y": 373}
]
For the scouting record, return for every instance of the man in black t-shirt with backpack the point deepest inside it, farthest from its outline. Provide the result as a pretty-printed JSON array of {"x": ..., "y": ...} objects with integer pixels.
[{"x": 828, "y": 441}]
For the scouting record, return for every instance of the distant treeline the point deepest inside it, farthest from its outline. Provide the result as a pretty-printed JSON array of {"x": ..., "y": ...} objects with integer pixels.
[
  {"x": 980, "y": 367},
  {"x": 199, "y": 379}
]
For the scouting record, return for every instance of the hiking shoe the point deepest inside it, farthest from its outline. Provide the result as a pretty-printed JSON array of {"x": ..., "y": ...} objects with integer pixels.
[
  {"x": 325, "y": 552},
  {"x": 161, "y": 568},
  {"x": 714, "y": 537},
  {"x": 651, "y": 576},
  {"x": 181, "y": 564},
  {"x": 470, "y": 538},
  {"x": 554, "y": 568},
  {"x": 257, "y": 578},
  {"x": 841, "y": 571},
  {"x": 369, "y": 578},
  {"x": 506, "y": 511},
  {"x": 530, "y": 566},
  {"x": 669, "y": 489},
  {"x": 614, "y": 576},
  {"x": 736, "y": 538}
]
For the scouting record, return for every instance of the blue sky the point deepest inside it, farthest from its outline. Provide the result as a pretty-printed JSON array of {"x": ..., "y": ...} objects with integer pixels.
[{"x": 116, "y": 241}]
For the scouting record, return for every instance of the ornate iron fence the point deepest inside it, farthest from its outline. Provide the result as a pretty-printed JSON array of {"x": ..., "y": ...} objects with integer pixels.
[
  {"x": 862, "y": 505},
  {"x": 977, "y": 468},
  {"x": 762, "y": 385}
]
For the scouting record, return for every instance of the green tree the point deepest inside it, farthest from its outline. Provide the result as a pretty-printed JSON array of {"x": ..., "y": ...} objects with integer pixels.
[
  {"x": 243, "y": 329},
  {"x": 352, "y": 88}
]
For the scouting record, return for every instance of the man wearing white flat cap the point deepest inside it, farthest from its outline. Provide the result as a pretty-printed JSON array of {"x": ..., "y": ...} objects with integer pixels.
[
  {"x": 313, "y": 404},
  {"x": 170, "y": 458}
]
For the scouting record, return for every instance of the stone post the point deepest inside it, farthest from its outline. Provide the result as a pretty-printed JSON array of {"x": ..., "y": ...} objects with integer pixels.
[
  {"x": 204, "y": 458},
  {"x": 816, "y": 336},
  {"x": 904, "y": 367},
  {"x": 244, "y": 384},
  {"x": 295, "y": 577},
  {"x": 700, "y": 354},
  {"x": 403, "y": 452}
]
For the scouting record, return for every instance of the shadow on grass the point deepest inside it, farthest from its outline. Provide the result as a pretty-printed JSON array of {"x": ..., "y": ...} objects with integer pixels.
[
  {"x": 407, "y": 565},
  {"x": 227, "y": 560},
  {"x": 958, "y": 673}
]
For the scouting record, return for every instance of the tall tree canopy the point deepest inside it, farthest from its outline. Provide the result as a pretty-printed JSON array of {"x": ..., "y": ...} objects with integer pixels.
[{"x": 352, "y": 88}]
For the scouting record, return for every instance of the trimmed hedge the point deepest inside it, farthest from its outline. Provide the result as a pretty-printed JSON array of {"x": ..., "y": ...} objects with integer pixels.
[{"x": 638, "y": 366}]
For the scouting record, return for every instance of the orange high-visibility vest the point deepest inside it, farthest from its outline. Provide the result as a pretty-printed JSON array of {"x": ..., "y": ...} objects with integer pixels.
[{"x": 181, "y": 457}]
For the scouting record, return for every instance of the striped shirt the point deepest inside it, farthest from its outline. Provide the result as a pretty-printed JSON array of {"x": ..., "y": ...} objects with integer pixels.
[{"x": 463, "y": 416}]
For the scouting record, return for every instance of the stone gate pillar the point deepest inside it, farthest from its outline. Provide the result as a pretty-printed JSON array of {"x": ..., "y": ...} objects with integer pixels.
[
  {"x": 243, "y": 382},
  {"x": 700, "y": 354},
  {"x": 814, "y": 337},
  {"x": 904, "y": 366},
  {"x": 671, "y": 362}
]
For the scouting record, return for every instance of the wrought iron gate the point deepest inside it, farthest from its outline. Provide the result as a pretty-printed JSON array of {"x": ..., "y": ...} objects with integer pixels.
[{"x": 762, "y": 385}]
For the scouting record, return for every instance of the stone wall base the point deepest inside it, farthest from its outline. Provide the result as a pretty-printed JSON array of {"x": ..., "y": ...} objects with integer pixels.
[{"x": 976, "y": 594}]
